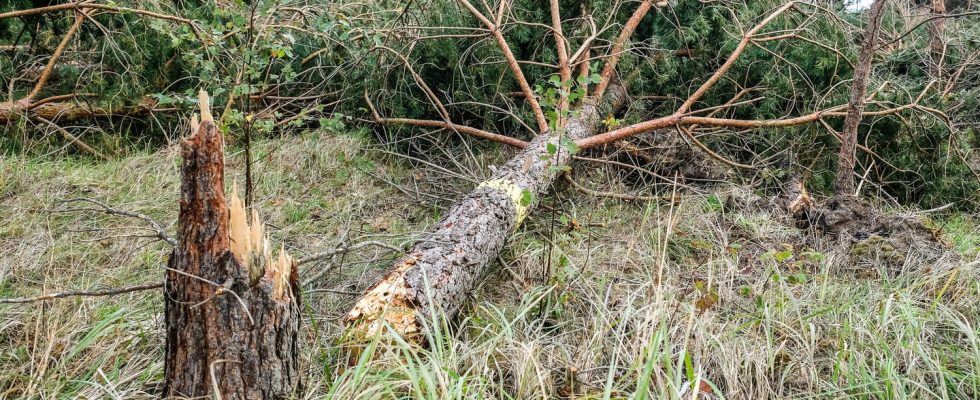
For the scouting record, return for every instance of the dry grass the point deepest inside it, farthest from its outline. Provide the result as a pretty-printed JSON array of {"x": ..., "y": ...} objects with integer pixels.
[{"x": 610, "y": 300}]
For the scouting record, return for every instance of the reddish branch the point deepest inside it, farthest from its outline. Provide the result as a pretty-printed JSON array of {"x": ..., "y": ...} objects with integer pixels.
[
  {"x": 444, "y": 125},
  {"x": 520, "y": 144},
  {"x": 624, "y": 35},
  {"x": 57, "y": 54},
  {"x": 511, "y": 62},
  {"x": 85, "y": 5},
  {"x": 677, "y": 116},
  {"x": 561, "y": 45}
]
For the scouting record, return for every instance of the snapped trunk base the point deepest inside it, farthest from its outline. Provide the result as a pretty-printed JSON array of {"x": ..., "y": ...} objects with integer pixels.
[{"x": 232, "y": 310}]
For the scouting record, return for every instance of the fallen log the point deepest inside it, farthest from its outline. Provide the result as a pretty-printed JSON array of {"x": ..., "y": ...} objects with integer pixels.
[
  {"x": 231, "y": 308},
  {"x": 441, "y": 269},
  {"x": 63, "y": 111}
]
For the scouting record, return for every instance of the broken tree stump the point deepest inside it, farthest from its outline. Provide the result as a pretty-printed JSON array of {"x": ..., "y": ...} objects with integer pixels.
[{"x": 231, "y": 308}]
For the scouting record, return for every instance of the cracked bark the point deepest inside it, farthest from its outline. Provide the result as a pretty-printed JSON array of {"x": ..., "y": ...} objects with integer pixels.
[
  {"x": 937, "y": 46},
  {"x": 440, "y": 271},
  {"x": 844, "y": 183},
  {"x": 229, "y": 334},
  {"x": 11, "y": 111}
]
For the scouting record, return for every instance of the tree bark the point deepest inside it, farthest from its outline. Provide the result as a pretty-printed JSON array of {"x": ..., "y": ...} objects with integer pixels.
[
  {"x": 937, "y": 46},
  {"x": 844, "y": 184},
  {"x": 441, "y": 270},
  {"x": 11, "y": 111},
  {"x": 232, "y": 311}
]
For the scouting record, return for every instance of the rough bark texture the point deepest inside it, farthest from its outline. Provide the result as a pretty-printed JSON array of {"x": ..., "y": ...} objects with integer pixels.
[
  {"x": 937, "y": 46},
  {"x": 64, "y": 111},
  {"x": 227, "y": 332},
  {"x": 844, "y": 184},
  {"x": 455, "y": 252}
]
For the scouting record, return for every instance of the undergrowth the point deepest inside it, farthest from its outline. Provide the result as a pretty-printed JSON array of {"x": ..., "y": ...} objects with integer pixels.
[{"x": 593, "y": 299}]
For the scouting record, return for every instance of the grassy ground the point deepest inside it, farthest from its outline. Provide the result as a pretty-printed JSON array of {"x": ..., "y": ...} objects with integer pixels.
[{"x": 593, "y": 298}]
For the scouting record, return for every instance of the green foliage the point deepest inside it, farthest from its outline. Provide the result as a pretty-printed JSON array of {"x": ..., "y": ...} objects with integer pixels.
[
  {"x": 269, "y": 66},
  {"x": 281, "y": 66}
]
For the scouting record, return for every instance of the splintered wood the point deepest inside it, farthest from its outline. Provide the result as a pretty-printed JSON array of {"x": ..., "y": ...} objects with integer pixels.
[
  {"x": 389, "y": 301},
  {"x": 251, "y": 248},
  {"x": 231, "y": 306}
]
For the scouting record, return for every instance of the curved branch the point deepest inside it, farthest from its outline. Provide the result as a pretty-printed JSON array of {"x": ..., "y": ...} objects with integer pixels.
[
  {"x": 444, "y": 125},
  {"x": 690, "y": 136},
  {"x": 512, "y": 63}
]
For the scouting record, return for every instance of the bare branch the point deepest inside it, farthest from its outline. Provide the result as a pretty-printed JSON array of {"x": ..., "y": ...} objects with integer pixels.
[
  {"x": 83, "y": 5},
  {"x": 690, "y": 136},
  {"x": 154, "y": 225},
  {"x": 746, "y": 39},
  {"x": 54, "y": 56},
  {"x": 346, "y": 249},
  {"x": 75, "y": 140},
  {"x": 844, "y": 184},
  {"x": 617, "y": 48},
  {"x": 561, "y": 44},
  {"x": 89, "y": 293},
  {"x": 512, "y": 63},
  {"x": 444, "y": 125}
]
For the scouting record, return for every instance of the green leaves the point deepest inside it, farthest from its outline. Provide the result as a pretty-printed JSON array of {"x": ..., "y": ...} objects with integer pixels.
[
  {"x": 551, "y": 94},
  {"x": 527, "y": 198}
]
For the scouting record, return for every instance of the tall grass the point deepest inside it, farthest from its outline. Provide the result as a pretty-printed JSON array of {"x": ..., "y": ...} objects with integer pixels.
[{"x": 643, "y": 301}]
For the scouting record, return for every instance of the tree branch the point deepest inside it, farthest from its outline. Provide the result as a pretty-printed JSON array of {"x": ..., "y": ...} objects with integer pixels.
[
  {"x": 444, "y": 125},
  {"x": 561, "y": 44},
  {"x": 89, "y": 293},
  {"x": 54, "y": 56},
  {"x": 617, "y": 48},
  {"x": 512, "y": 63},
  {"x": 154, "y": 225},
  {"x": 844, "y": 183}
]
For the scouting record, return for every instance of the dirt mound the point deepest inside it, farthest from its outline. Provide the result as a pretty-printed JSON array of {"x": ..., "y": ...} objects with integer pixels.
[
  {"x": 667, "y": 153},
  {"x": 868, "y": 235},
  {"x": 874, "y": 235}
]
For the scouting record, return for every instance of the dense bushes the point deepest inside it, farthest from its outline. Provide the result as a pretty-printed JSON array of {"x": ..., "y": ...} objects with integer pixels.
[{"x": 278, "y": 66}]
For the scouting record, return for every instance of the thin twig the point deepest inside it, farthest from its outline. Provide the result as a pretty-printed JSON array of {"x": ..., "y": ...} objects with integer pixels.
[
  {"x": 614, "y": 195},
  {"x": 89, "y": 293},
  {"x": 346, "y": 249},
  {"x": 75, "y": 140},
  {"x": 160, "y": 232}
]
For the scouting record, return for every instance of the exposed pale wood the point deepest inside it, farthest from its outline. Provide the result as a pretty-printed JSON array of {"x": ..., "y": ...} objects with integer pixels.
[{"x": 231, "y": 308}]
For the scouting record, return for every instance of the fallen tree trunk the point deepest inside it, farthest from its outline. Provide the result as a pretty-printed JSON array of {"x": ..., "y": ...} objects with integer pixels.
[
  {"x": 11, "y": 111},
  {"x": 232, "y": 310},
  {"x": 441, "y": 269}
]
